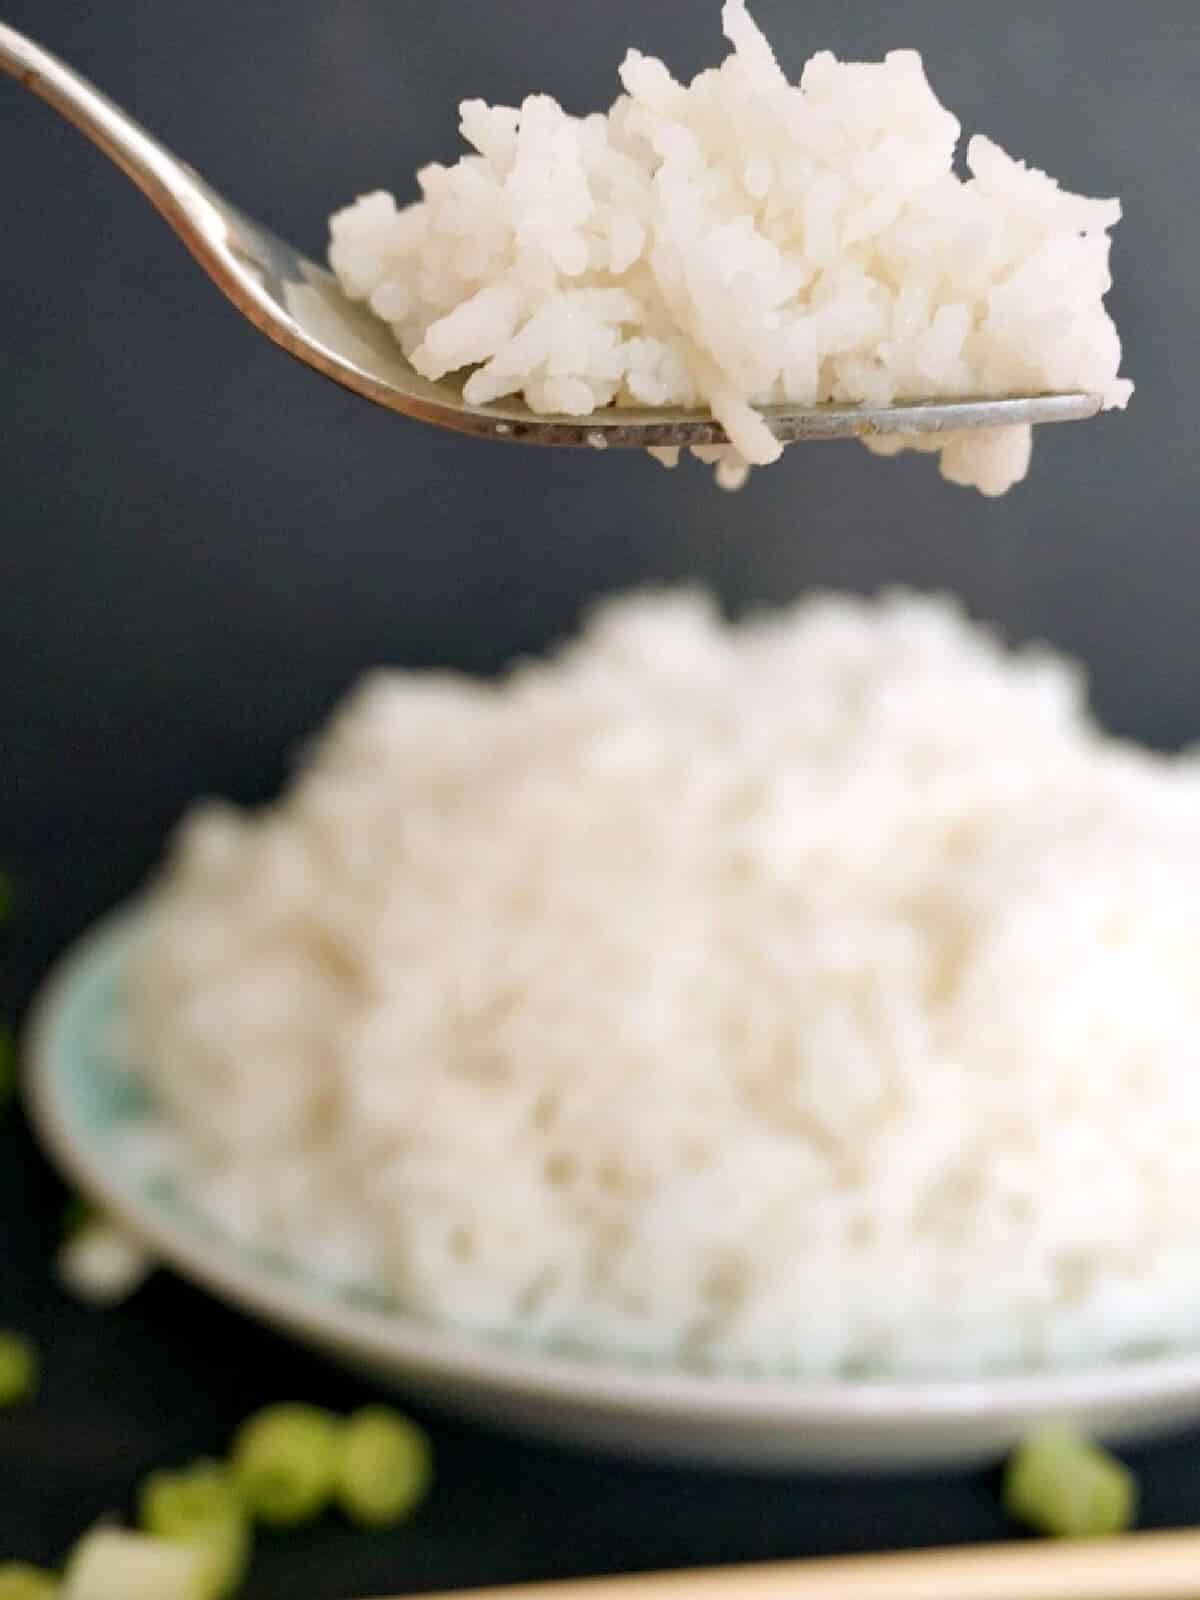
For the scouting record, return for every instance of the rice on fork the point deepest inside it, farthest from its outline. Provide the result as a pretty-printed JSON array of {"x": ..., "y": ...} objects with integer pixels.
[{"x": 741, "y": 241}]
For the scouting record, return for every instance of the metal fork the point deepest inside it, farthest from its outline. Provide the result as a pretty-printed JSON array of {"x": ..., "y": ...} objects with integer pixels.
[{"x": 299, "y": 305}]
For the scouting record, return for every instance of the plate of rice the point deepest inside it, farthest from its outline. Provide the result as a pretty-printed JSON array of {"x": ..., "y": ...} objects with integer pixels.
[{"x": 764, "y": 1043}]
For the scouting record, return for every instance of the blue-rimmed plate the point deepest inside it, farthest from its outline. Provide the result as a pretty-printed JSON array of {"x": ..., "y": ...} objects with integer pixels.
[{"x": 86, "y": 1101}]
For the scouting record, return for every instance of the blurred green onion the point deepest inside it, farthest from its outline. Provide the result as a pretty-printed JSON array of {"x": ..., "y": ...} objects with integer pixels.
[
  {"x": 285, "y": 1461},
  {"x": 18, "y": 1369},
  {"x": 199, "y": 1506},
  {"x": 20, "y": 1581},
  {"x": 385, "y": 1467},
  {"x": 1062, "y": 1484}
]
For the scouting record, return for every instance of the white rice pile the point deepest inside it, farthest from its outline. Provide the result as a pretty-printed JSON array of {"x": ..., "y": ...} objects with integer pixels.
[
  {"x": 740, "y": 242},
  {"x": 817, "y": 994}
]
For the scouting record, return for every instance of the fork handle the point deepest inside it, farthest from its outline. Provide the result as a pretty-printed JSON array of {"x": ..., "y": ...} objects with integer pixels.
[{"x": 169, "y": 184}]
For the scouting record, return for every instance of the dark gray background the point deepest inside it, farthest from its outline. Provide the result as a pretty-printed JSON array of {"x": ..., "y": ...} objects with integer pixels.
[{"x": 203, "y": 545}]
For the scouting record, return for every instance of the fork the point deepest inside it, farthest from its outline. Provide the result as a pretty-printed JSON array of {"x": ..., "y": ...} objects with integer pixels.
[{"x": 299, "y": 305}]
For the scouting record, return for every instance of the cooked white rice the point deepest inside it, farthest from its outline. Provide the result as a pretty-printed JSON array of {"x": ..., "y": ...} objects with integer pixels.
[
  {"x": 817, "y": 994},
  {"x": 739, "y": 242}
]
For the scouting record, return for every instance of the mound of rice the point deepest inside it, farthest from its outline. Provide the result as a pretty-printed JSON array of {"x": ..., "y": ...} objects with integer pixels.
[
  {"x": 740, "y": 242},
  {"x": 818, "y": 994}
]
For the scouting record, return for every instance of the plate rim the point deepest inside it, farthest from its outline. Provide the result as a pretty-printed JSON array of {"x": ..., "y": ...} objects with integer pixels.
[{"x": 474, "y": 1362}]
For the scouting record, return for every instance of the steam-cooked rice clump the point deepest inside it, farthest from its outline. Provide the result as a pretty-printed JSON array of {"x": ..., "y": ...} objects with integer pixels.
[
  {"x": 741, "y": 241},
  {"x": 817, "y": 994}
]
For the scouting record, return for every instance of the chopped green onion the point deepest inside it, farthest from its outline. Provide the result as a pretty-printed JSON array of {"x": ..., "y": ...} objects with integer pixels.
[
  {"x": 385, "y": 1467},
  {"x": 199, "y": 1506},
  {"x": 20, "y": 1581},
  {"x": 18, "y": 1369},
  {"x": 1060, "y": 1483},
  {"x": 8, "y": 1069},
  {"x": 111, "y": 1564},
  {"x": 285, "y": 1462},
  {"x": 101, "y": 1264}
]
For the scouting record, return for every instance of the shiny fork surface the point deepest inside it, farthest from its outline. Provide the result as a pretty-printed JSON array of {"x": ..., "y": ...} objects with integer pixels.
[{"x": 299, "y": 305}]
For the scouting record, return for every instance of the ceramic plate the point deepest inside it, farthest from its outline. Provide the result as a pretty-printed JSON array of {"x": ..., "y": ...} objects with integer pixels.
[{"x": 85, "y": 1101}]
